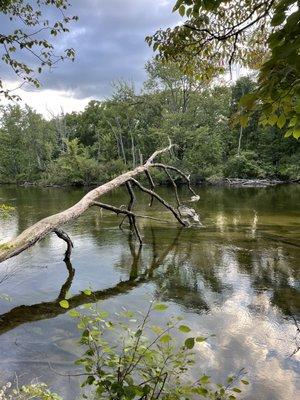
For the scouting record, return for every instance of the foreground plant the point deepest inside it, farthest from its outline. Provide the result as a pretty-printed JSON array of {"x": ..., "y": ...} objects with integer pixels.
[
  {"x": 27, "y": 392},
  {"x": 6, "y": 210},
  {"x": 127, "y": 359}
]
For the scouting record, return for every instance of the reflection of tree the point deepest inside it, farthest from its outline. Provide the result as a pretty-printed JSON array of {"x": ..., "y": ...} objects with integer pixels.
[
  {"x": 191, "y": 272},
  {"x": 45, "y": 310},
  {"x": 188, "y": 274},
  {"x": 273, "y": 270}
]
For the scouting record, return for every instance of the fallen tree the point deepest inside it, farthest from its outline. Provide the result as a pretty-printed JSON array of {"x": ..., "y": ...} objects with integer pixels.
[{"x": 53, "y": 223}]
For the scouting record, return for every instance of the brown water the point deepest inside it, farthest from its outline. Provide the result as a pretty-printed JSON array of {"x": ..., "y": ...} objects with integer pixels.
[{"x": 236, "y": 277}]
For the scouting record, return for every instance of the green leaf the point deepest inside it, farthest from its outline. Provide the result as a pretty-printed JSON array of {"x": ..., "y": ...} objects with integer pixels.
[
  {"x": 165, "y": 338},
  {"x": 278, "y": 18},
  {"x": 200, "y": 339},
  {"x": 160, "y": 307},
  {"x": 244, "y": 382},
  {"x": 74, "y": 313},
  {"x": 272, "y": 119},
  {"x": 204, "y": 379},
  {"x": 189, "y": 343},
  {"x": 296, "y": 133},
  {"x": 184, "y": 328},
  {"x": 64, "y": 304},
  {"x": 181, "y": 10},
  {"x": 201, "y": 391},
  {"x": 244, "y": 120},
  {"x": 281, "y": 121},
  {"x": 157, "y": 329},
  {"x": 88, "y": 292},
  {"x": 247, "y": 100},
  {"x": 138, "y": 333},
  {"x": 177, "y": 5},
  {"x": 288, "y": 133}
]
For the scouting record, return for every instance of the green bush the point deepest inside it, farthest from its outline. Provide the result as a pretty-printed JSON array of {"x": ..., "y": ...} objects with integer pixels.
[
  {"x": 127, "y": 357},
  {"x": 111, "y": 169},
  {"x": 37, "y": 391},
  {"x": 245, "y": 165},
  {"x": 73, "y": 167},
  {"x": 290, "y": 167}
]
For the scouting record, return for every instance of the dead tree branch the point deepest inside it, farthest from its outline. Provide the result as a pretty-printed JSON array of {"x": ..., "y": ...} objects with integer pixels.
[
  {"x": 132, "y": 200},
  {"x": 152, "y": 185},
  {"x": 173, "y": 183},
  {"x": 42, "y": 228},
  {"x": 131, "y": 216},
  {"x": 64, "y": 236},
  {"x": 160, "y": 199},
  {"x": 182, "y": 174}
]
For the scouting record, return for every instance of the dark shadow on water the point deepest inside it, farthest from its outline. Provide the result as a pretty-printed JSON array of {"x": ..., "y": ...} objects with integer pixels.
[{"x": 30, "y": 313}]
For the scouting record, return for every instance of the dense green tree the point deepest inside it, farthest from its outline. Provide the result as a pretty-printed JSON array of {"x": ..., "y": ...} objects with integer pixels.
[
  {"x": 28, "y": 143},
  {"x": 28, "y": 49},
  {"x": 264, "y": 35},
  {"x": 113, "y": 135}
]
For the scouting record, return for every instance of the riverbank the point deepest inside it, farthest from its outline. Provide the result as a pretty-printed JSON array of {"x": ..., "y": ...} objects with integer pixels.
[
  {"x": 232, "y": 182},
  {"x": 238, "y": 182}
]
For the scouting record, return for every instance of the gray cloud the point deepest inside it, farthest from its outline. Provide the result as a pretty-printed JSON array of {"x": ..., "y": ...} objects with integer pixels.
[{"x": 109, "y": 43}]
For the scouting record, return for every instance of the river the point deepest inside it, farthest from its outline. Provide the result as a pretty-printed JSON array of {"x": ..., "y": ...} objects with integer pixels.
[{"x": 237, "y": 277}]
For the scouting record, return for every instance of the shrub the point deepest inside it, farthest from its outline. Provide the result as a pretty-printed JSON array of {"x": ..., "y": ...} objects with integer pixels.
[
  {"x": 245, "y": 165},
  {"x": 126, "y": 361},
  {"x": 27, "y": 392},
  {"x": 129, "y": 360},
  {"x": 290, "y": 167},
  {"x": 111, "y": 169},
  {"x": 74, "y": 167}
]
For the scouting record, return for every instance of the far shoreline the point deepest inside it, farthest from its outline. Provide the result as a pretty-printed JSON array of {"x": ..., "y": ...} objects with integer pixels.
[{"x": 223, "y": 182}]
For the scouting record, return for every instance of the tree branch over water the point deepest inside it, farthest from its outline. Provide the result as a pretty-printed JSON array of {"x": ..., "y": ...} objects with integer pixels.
[{"x": 53, "y": 223}]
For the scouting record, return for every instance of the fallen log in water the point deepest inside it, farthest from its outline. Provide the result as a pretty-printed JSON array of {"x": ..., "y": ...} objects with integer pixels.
[
  {"x": 252, "y": 182},
  {"x": 53, "y": 223}
]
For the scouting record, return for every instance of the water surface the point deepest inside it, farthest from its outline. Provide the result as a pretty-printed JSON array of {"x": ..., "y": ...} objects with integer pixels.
[{"x": 237, "y": 277}]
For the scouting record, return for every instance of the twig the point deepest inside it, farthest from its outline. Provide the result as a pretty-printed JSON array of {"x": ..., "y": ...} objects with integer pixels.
[
  {"x": 174, "y": 185},
  {"x": 152, "y": 185},
  {"x": 185, "y": 176},
  {"x": 64, "y": 236},
  {"x": 160, "y": 199}
]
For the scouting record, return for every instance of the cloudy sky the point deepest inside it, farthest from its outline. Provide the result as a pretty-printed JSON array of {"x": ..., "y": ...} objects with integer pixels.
[{"x": 109, "y": 40}]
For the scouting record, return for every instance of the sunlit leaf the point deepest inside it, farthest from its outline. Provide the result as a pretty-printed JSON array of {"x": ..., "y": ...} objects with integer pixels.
[
  {"x": 160, "y": 307},
  {"x": 74, "y": 313},
  {"x": 184, "y": 328},
  {"x": 64, "y": 304},
  {"x": 204, "y": 379},
  {"x": 165, "y": 338}
]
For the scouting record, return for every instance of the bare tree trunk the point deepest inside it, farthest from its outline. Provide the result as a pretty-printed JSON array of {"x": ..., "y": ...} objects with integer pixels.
[
  {"x": 132, "y": 150},
  {"x": 39, "y": 230},
  {"x": 121, "y": 140},
  {"x": 240, "y": 141}
]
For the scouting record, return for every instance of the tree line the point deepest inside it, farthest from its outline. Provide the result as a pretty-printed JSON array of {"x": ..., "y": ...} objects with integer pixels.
[{"x": 116, "y": 134}]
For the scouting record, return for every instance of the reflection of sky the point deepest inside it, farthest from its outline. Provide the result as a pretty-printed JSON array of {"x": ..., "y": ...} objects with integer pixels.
[{"x": 222, "y": 279}]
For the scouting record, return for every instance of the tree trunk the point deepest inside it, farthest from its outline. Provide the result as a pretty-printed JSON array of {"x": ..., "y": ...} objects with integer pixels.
[{"x": 52, "y": 223}]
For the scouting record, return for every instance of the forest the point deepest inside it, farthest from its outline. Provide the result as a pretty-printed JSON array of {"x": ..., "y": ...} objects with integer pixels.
[
  {"x": 114, "y": 135},
  {"x": 149, "y": 227}
]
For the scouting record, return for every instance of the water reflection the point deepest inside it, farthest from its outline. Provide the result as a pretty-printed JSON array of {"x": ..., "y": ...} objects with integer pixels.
[
  {"x": 238, "y": 277},
  {"x": 45, "y": 310}
]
